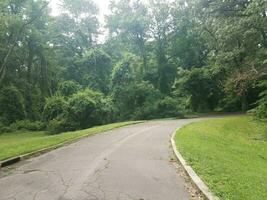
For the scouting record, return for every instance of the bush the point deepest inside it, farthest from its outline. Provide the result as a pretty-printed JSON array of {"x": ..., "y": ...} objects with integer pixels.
[
  {"x": 261, "y": 110},
  {"x": 161, "y": 108},
  {"x": 87, "y": 108},
  {"x": 5, "y": 129},
  {"x": 56, "y": 126},
  {"x": 28, "y": 125},
  {"x": 11, "y": 104},
  {"x": 82, "y": 110},
  {"x": 169, "y": 107},
  {"x": 136, "y": 100},
  {"x": 55, "y": 107},
  {"x": 199, "y": 86}
]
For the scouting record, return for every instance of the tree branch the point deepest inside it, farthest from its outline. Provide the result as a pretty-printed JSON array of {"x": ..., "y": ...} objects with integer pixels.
[{"x": 11, "y": 49}]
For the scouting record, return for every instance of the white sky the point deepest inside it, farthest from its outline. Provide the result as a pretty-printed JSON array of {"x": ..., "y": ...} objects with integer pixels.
[
  {"x": 103, "y": 10},
  {"x": 102, "y": 5}
]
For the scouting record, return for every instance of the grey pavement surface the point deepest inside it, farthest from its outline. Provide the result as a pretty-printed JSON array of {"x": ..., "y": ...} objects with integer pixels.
[{"x": 128, "y": 163}]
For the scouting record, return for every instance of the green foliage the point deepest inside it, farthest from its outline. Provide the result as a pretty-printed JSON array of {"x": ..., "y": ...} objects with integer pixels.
[
  {"x": 11, "y": 104},
  {"x": 261, "y": 110},
  {"x": 131, "y": 100},
  {"x": 200, "y": 87},
  {"x": 61, "y": 125},
  {"x": 86, "y": 108},
  {"x": 55, "y": 107},
  {"x": 4, "y": 128},
  {"x": 28, "y": 125},
  {"x": 169, "y": 107},
  {"x": 80, "y": 110},
  {"x": 218, "y": 47},
  {"x": 68, "y": 88},
  {"x": 131, "y": 21},
  {"x": 140, "y": 100},
  {"x": 97, "y": 64},
  {"x": 122, "y": 74}
]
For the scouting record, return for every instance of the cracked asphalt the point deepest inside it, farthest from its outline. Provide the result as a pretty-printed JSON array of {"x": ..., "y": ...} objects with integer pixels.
[{"x": 128, "y": 163}]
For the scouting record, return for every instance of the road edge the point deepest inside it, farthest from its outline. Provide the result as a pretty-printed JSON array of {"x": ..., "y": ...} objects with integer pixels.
[
  {"x": 203, "y": 188},
  {"x": 16, "y": 159}
]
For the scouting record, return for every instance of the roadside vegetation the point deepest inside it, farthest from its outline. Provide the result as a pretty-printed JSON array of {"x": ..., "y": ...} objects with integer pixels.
[
  {"x": 22, "y": 142},
  {"x": 159, "y": 59},
  {"x": 229, "y": 154}
]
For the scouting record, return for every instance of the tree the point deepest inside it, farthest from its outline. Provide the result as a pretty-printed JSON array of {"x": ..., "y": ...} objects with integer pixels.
[
  {"x": 68, "y": 88},
  {"x": 130, "y": 20},
  {"x": 16, "y": 34},
  {"x": 198, "y": 86},
  {"x": 77, "y": 27},
  {"x": 11, "y": 105},
  {"x": 240, "y": 45},
  {"x": 161, "y": 27},
  {"x": 57, "y": 70},
  {"x": 96, "y": 65}
]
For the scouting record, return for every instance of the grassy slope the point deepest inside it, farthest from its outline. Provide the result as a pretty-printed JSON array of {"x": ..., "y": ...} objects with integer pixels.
[
  {"x": 17, "y": 143},
  {"x": 229, "y": 154}
]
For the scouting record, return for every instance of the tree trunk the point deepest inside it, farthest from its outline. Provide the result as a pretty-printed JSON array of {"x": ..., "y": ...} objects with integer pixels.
[
  {"x": 44, "y": 80},
  {"x": 29, "y": 106},
  {"x": 244, "y": 103}
]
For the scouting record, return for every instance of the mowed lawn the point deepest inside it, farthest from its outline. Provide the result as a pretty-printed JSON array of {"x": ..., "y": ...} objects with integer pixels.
[
  {"x": 17, "y": 143},
  {"x": 229, "y": 154}
]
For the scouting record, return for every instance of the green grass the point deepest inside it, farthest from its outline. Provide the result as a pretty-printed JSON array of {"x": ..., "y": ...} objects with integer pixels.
[
  {"x": 17, "y": 143},
  {"x": 229, "y": 154}
]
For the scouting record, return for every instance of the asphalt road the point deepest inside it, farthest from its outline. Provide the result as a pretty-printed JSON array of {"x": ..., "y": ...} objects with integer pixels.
[{"x": 128, "y": 163}]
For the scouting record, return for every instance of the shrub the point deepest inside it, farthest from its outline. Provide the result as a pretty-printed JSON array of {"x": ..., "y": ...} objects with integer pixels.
[
  {"x": 169, "y": 107},
  {"x": 86, "y": 108},
  {"x": 11, "y": 104},
  {"x": 108, "y": 110},
  {"x": 55, "y": 107},
  {"x": 160, "y": 108},
  {"x": 199, "y": 86},
  {"x": 28, "y": 125},
  {"x": 82, "y": 110},
  {"x": 132, "y": 100},
  {"x": 5, "y": 129},
  {"x": 261, "y": 110},
  {"x": 56, "y": 126}
]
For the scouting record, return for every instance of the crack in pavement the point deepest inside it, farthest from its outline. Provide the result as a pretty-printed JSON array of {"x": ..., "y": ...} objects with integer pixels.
[
  {"x": 95, "y": 170},
  {"x": 96, "y": 187},
  {"x": 37, "y": 193}
]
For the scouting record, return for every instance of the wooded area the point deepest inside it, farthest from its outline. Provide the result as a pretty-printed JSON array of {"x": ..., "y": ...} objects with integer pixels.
[{"x": 160, "y": 59}]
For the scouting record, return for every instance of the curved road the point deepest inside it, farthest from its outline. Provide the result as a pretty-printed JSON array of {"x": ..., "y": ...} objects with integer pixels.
[{"x": 128, "y": 163}]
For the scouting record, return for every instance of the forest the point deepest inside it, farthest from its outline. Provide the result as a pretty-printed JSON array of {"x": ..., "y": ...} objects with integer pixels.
[{"x": 159, "y": 59}]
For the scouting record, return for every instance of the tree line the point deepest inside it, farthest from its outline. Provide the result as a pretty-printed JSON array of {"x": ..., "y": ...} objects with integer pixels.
[{"x": 160, "y": 59}]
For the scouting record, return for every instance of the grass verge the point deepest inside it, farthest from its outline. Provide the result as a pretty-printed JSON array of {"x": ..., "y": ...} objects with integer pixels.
[
  {"x": 229, "y": 154},
  {"x": 22, "y": 142}
]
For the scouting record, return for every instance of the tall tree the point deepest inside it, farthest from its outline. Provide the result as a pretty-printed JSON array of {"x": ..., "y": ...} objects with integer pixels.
[
  {"x": 161, "y": 27},
  {"x": 129, "y": 20}
]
